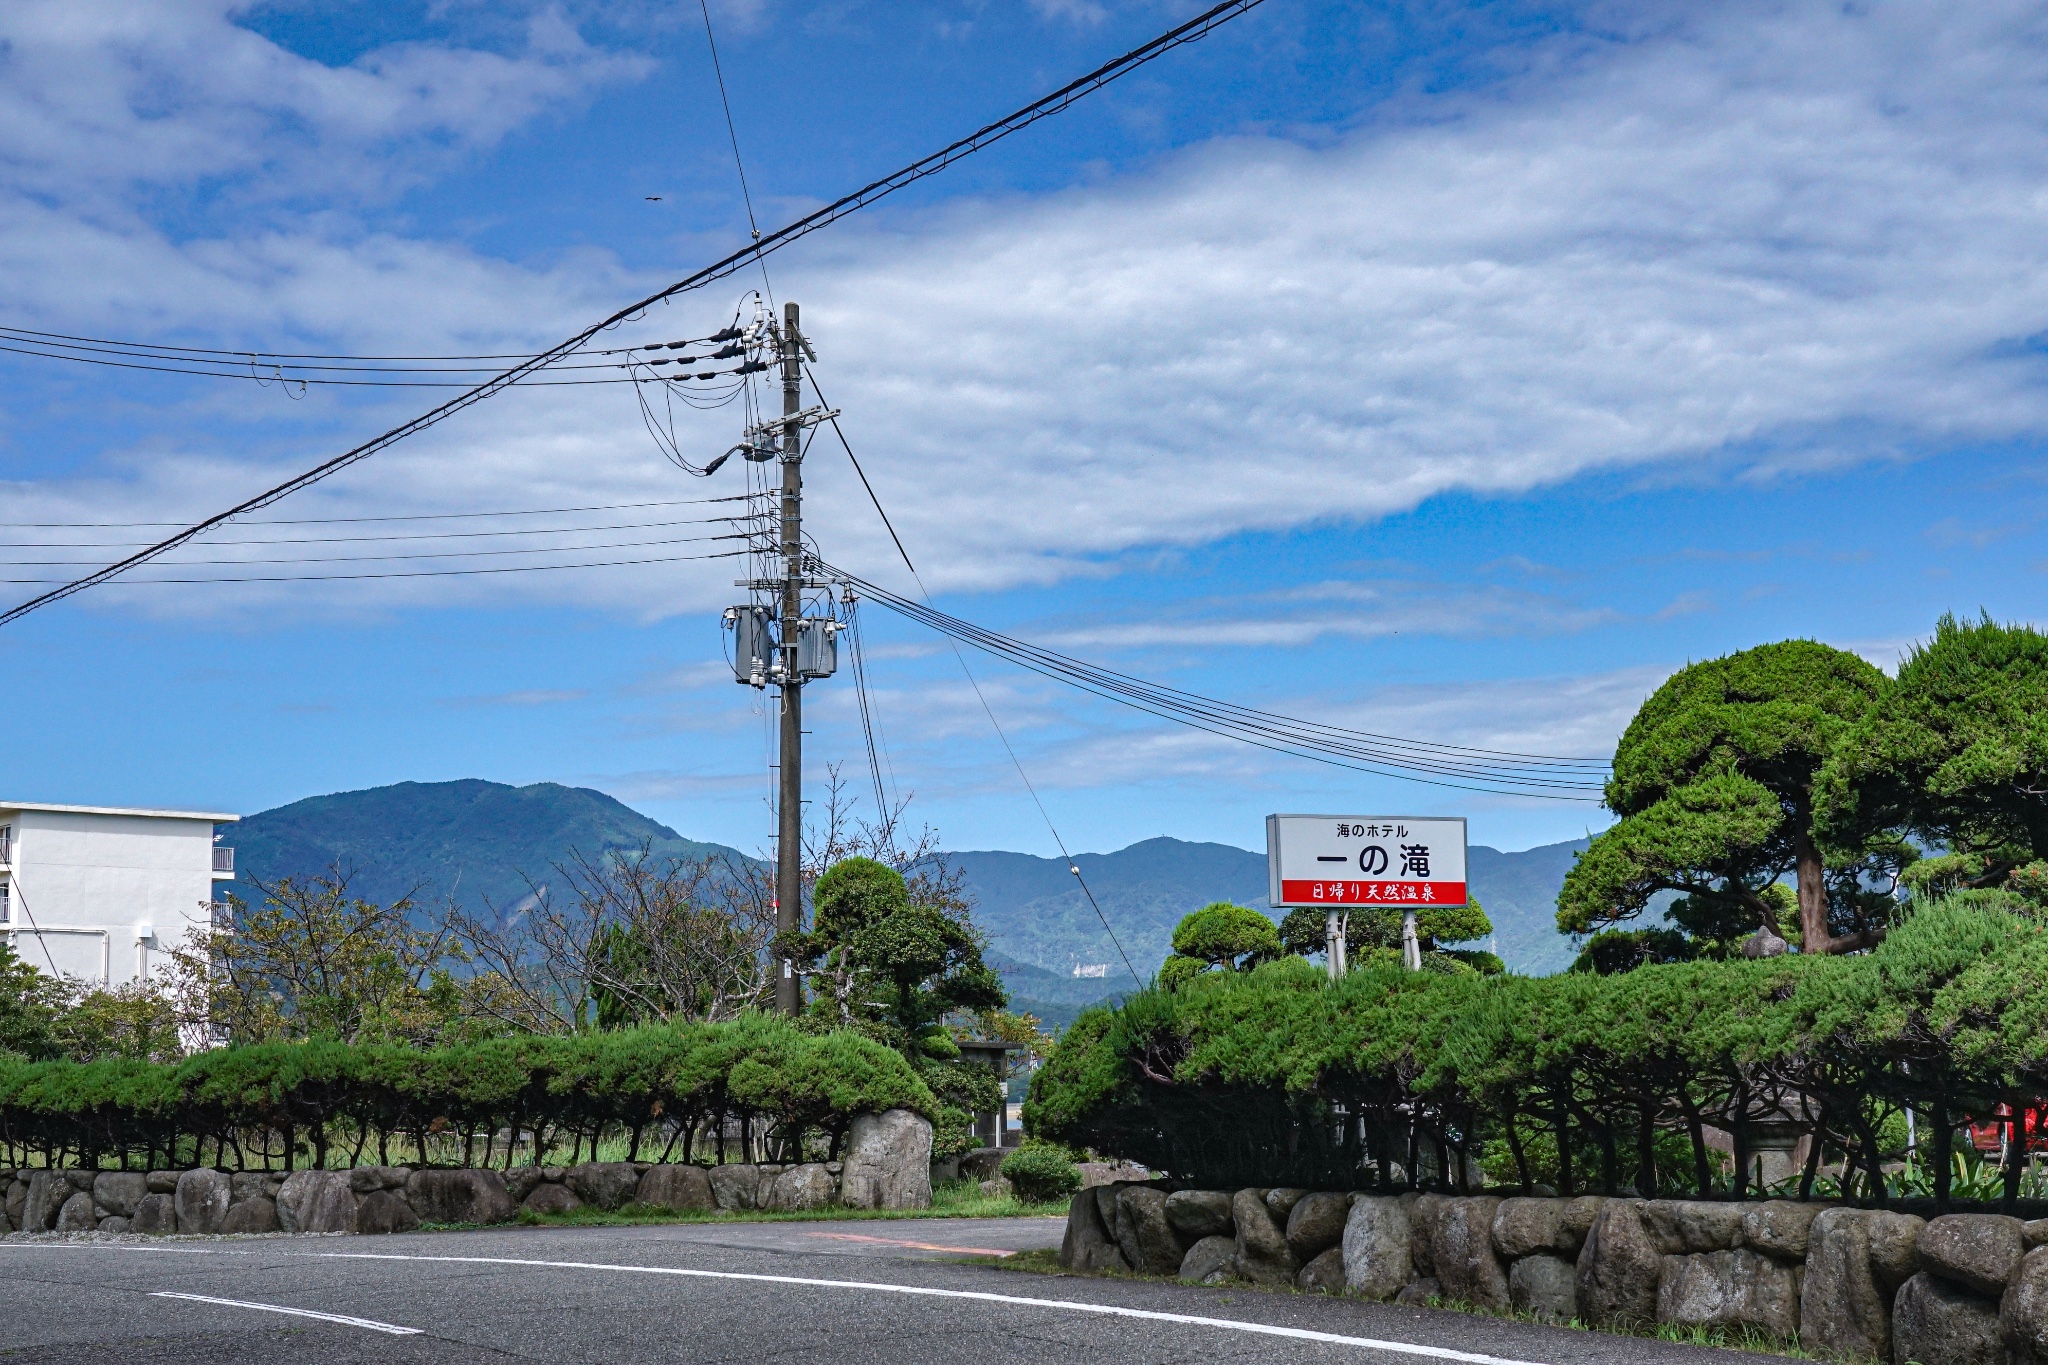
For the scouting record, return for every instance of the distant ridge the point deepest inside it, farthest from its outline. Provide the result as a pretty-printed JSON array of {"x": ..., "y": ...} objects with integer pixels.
[{"x": 470, "y": 839}]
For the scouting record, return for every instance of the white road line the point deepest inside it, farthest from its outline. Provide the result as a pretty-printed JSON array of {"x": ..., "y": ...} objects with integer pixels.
[
  {"x": 1064, "y": 1305},
  {"x": 344, "y": 1319}
]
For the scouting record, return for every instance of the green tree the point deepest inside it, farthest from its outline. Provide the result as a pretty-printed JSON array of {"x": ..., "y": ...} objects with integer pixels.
[
  {"x": 1956, "y": 752},
  {"x": 896, "y": 962},
  {"x": 1371, "y": 930},
  {"x": 29, "y": 1004},
  {"x": 1220, "y": 936},
  {"x": 1714, "y": 783},
  {"x": 312, "y": 961}
]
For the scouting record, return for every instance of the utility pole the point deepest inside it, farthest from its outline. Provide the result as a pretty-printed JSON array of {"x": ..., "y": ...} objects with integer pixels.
[
  {"x": 789, "y": 830},
  {"x": 774, "y": 643}
]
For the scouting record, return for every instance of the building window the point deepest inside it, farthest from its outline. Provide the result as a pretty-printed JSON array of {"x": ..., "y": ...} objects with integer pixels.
[
  {"x": 6, "y": 905},
  {"x": 6, "y": 844}
]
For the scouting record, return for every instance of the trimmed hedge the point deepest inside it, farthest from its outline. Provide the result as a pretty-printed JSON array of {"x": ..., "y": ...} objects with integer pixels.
[
  {"x": 272, "y": 1101},
  {"x": 1281, "y": 1077}
]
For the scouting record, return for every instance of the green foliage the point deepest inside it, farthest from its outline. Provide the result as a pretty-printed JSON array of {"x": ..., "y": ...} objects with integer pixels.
[
  {"x": 1242, "y": 1076},
  {"x": 265, "y": 1098},
  {"x": 1714, "y": 781},
  {"x": 1956, "y": 750},
  {"x": 1041, "y": 1173},
  {"x": 29, "y": 1003},
  {"x": 1227, "y": 936},
  {"x": 1372, "y": 932}
]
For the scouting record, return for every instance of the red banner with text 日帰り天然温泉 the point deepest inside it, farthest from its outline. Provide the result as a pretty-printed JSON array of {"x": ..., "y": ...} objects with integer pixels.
[{"x": 1373, "y": 893}]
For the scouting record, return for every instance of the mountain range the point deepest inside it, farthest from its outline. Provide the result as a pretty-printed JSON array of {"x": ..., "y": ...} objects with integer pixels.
[{"x": 479, "y": 842}]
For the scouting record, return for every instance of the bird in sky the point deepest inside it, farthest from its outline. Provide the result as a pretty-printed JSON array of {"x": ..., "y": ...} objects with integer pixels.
[{"x": 654, "y": 199}]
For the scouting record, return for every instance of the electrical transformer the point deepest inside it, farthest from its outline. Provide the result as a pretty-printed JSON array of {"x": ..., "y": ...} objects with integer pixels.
[
  {"x": 753, "y": 644},
  {"x": 817, "y": 647}
]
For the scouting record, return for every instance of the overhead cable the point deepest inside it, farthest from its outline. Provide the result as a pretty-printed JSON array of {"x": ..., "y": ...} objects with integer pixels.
[
  {"x": 1191, "y": 31},
  {"x": 1498, "y": 772}
]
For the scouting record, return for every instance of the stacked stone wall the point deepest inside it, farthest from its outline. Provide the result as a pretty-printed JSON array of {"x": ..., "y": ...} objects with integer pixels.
[
  {"x": 887, "y": 1166},
  {"x": 1847, "y": 1284}
]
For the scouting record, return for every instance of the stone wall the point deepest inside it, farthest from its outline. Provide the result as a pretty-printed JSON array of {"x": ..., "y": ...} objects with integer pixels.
[
  {"x": 1961, "y": 1289},
  {"x": 887, "y": 1166}
]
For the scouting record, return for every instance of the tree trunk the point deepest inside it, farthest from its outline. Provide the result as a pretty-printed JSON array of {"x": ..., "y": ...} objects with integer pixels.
[
  {"x": 1944, "y": 1159},
  {"x": 1515, "y": 1150},
  {"x": 1809, "y": 872},
  {"x": 1564, "y": 1151}
]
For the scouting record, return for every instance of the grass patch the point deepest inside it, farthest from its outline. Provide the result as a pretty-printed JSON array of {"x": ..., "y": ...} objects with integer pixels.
[{"x": 955, "y": 1199}]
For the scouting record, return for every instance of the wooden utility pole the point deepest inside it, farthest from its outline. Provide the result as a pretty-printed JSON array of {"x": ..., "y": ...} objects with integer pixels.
[{"x": 789, "y": 828}]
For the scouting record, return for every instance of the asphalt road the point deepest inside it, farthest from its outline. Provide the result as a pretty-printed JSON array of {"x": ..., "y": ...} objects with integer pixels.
[{"x": 841, "y": 1293}]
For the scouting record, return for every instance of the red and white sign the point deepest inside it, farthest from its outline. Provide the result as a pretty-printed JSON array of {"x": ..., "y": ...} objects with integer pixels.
[{"x": 1342, "y": 860}]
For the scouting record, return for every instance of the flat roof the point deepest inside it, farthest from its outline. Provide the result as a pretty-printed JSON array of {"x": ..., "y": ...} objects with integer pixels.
[{"x": 216, "y": 817}]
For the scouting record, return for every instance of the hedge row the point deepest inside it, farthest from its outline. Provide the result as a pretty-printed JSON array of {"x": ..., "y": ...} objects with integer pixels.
[
  {"x": 1278, "y": 1076},
  {"x": 272, "y": 1101}
]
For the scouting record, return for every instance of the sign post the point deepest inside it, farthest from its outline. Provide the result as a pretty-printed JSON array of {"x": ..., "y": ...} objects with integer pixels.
[{"x": 1340, "y": 861}]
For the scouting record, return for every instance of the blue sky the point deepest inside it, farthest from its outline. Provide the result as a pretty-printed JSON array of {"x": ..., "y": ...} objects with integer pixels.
[{"x": 1450, "y": 372}]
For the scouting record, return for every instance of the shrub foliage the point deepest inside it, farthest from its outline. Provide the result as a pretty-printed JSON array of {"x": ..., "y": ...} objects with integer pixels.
[
  {"x": 1281, "y": 1076},
  {"x": 659, "y": 1087}
]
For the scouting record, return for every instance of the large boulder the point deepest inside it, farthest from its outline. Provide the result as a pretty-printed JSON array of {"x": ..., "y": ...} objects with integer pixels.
[
  {"x": 888, "y": 1162},
  {"x": 1087, "y": 1246},
  {"x": 1729, "y": 1289},
  {"x": 112, "y": 1223},
  {"x": 1316, "y": 1223},
  {"x": 1619, "y": 1267},
  {"x": 1893, "y": 1238},
  {"x": 1522, "y": 1227},
  {"x": 118, "y": 1192},
  {"x": 683, "y": 1189},
  {"x": 17, "y": 1200},
  {"x": 246, "y": 1185},
  {"x": 607, "y": 1184},
  {"x": 1281, "y": 1202},
  {"x": 1324, "y": 1274},
  {"x": 156, "y": 1215},
  {"x": 1212, "y": 1260},
  {"x": 1461, "y": 1247},
  {"x": 551, "y": 1197},
  {"x": 382, "y": 1211},
  {"x": 260, "y": 1215},
  {"x": 459, "y": 1197},
  {"x": 2023, "y": 1310},
  {"x": 1779, "y": 1227},
  {"x": 76, "y": 1214},
  {"x": 1576, "y": 1222},
  {"x": 1685, "y": 1226},
  {"x": 736, "y": 1187},
  {"x": 316, "y": 1201},
  {"x": 1978, "y": 1251},
  {"x": 797, "y": 1189},
  {"x": 1195, "y": 1214},
  {"x": 1262, "y": 1254},
  {"x": 520, "y": 1181},
  {"x": 1422, "y": 1211},
  {"x": 47, "y": 1191},
  {"x": 1545, "y": 1287},
  {"x": 163, "y": 1182},
  {"x": 1940, "y": 1323},
  {"x": 1142, "y": 1233},
  {"x": 1378, "y": 1239},
  {"x": 1843, "y": 1310},
  {"x": 202, "y": 1198}
]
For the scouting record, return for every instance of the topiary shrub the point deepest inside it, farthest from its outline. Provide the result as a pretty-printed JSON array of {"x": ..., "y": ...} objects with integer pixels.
[{"x": 1041, "y": 1174}]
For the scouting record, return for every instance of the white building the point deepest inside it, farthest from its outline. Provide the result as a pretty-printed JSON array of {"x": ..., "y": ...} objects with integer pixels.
[{"x": 97, "y": 892}]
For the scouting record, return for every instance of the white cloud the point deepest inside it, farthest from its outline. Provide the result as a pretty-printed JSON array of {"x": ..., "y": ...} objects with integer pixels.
[{"x": 1747, "y": 240}]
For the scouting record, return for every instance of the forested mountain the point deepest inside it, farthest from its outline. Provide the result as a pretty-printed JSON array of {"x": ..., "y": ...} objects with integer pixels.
[{"x": 477, "y": 841}]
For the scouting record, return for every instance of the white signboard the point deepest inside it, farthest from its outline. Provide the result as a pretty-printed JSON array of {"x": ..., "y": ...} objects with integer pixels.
[{"x": 1341, "y": 860}]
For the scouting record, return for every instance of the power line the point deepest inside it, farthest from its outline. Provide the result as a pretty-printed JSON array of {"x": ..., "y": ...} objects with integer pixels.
[
  {"x": 413, "y": 573},
  {"x": 1192, "y": 31},
  {"x": 337, "y": 521},
  {"x": 987, "y": 710}
]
